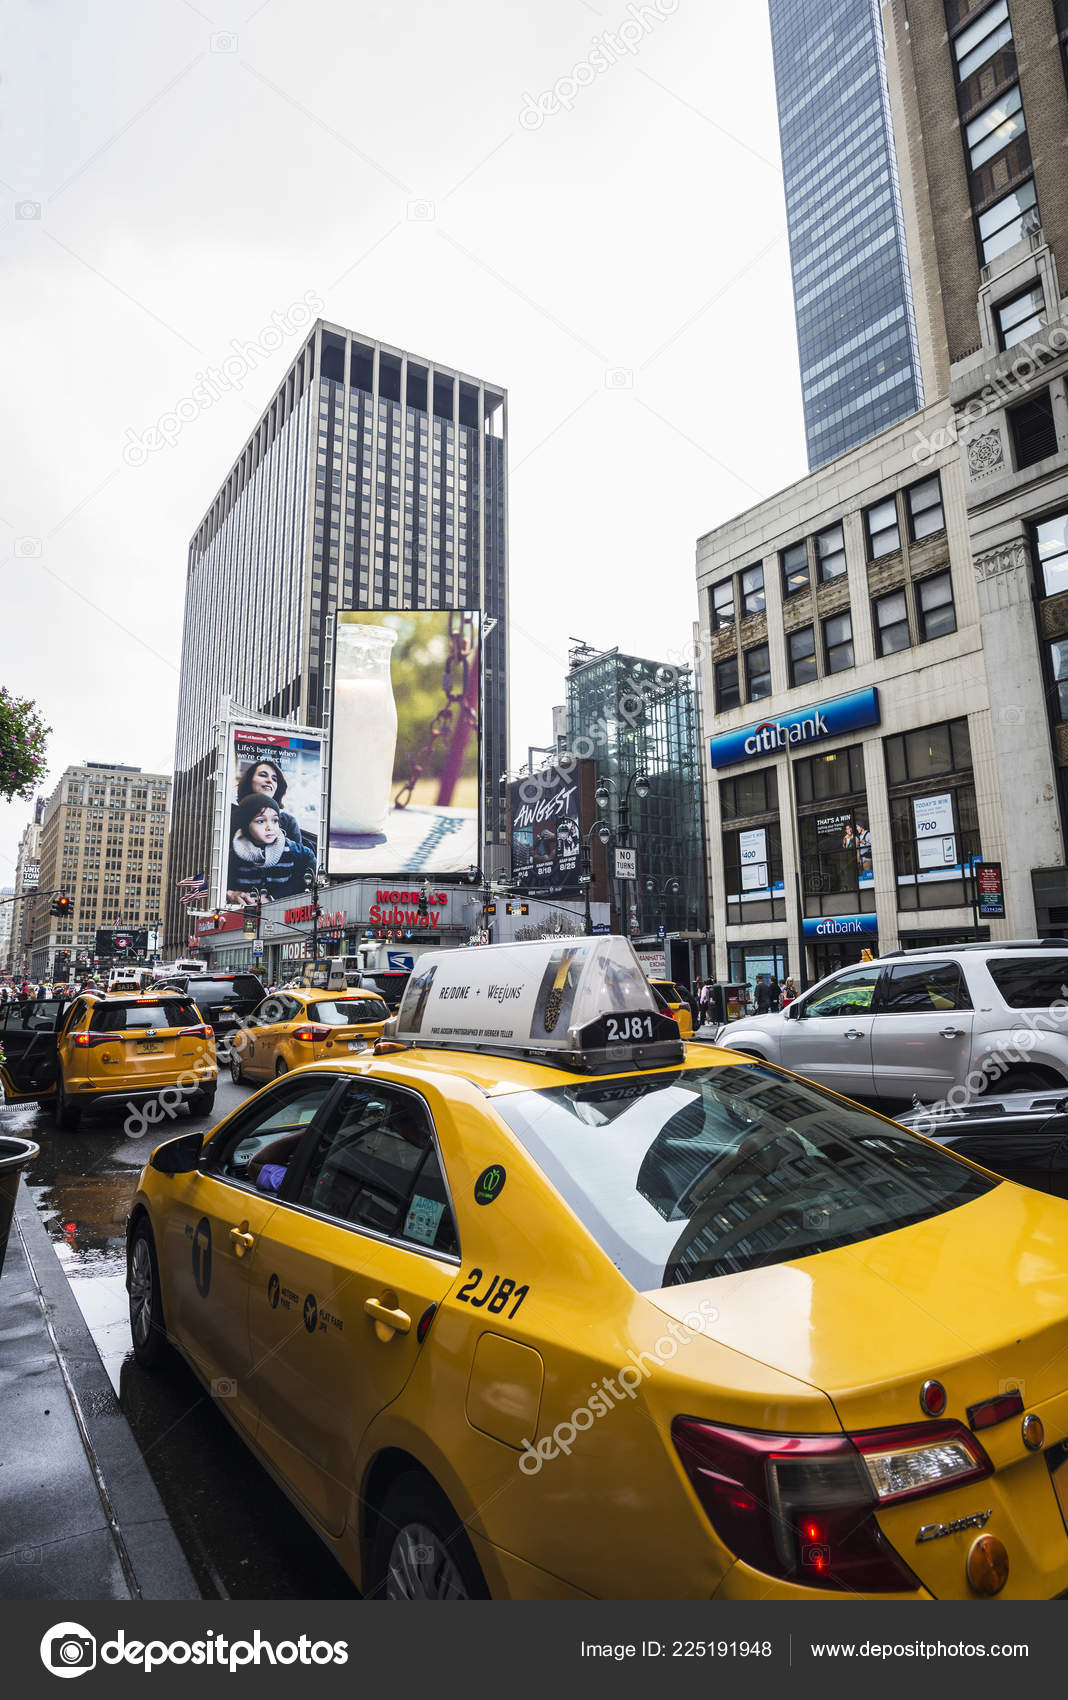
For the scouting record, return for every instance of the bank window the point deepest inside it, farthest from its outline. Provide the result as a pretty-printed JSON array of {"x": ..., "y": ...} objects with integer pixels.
[
  {"x": 1051, "y": 547},
  {"x": 830, "y": 553},
  {"x": 1021, "y": 316},
  {"x": 757, "y": 673},
  {"x": 1058, "y": 654},
  {"x": 994, "y": 129},
  {"x": 750, "y": 794},
  {"x": 836, "y": 860},
  {"x": 924, "y": 502},
  {"x": 802, "y": 646},
  {"x": 753, "y": 600},
  {"x": 981, "y": 40},
  {"x": 723, "y": 605},
  {"x": 1034, "y": 434},
  {"x": 934, "y": 597},
  {"x": 728, "y": 694},
  {"x": 752, "y": 870},
  {"x": 884, "y": 537},
  {"x": 838, "y": 642},
  {"x": 1008, "y": 220},
  {"x": 838, "y": 773},
  {"x": 795, "y": 573},
  {"x": 928, "y": 752},
  {"x": 891, "y": 623}
]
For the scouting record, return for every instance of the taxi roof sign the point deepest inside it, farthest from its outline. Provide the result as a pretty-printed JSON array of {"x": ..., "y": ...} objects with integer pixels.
[{"x": 581, "y": 1003}]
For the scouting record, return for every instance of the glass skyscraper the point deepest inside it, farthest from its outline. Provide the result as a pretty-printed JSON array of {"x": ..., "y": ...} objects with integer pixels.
[
  {"x": 373, "y": 480},
  {"x": 856, "y": 331}
]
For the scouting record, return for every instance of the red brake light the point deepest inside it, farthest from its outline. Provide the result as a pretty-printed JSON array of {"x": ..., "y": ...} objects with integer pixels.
[
  {"x": 312, "y": 1035},
  {"x": 201, "y": 1032},
  {"x": 84, "y": 1040},
  {"x": 796, "y": 1506}
]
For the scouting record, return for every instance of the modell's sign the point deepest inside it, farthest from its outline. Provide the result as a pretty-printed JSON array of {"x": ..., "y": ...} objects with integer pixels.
[
  {"x": 401, "y": 909},
  {"x": 328, "y": 918},
  {"x": 803, "y": 726}
]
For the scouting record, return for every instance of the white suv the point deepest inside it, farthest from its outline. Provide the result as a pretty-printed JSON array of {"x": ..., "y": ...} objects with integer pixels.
[{"x": 915, "y": 1024}]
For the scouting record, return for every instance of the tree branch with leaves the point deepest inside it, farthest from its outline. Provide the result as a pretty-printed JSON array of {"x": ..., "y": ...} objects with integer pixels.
[{"x": 23, "y": 735}]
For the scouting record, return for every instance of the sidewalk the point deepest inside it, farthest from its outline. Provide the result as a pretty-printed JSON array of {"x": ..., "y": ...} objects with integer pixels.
[{"x": 80, "y": 1517}]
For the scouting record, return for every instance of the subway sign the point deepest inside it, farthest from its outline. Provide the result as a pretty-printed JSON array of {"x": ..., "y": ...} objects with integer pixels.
[{"x": 801, "y": 727}]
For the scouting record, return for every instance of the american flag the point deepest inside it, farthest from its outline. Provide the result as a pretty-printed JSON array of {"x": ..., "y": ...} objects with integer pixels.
[{"x": 191, "y": 888}]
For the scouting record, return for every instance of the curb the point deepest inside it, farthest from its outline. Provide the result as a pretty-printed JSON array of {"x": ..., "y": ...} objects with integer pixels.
[{"x": 148, "y": 1550}]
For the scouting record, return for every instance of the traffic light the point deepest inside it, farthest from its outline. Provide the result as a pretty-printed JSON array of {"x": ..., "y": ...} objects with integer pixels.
[{"x": 61, "y": 905}]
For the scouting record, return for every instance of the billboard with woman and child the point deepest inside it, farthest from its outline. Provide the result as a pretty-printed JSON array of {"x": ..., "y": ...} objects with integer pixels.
[{"x": 271, "y": 809}]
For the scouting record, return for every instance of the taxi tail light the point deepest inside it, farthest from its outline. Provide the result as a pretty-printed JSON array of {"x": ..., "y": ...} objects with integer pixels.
[
  {"x": 201, "y": 1032},
  {"x": 84, "y": 1040},
  {"x": 796, "y": 1506},
  {"x": 314, "y": 1034}
]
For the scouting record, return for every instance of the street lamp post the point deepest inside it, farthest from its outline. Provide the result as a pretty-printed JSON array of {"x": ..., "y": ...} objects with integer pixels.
[
  {"x": 604, "y": 834},
  {"x": 638, "y": 782},
  {"x": 312, "y": 883},
  {"x": 671, "y": 888}
]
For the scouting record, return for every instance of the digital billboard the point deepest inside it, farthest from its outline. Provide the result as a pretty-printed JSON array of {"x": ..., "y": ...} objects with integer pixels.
[
  {"x": 131, "y": 942},
  {"x": 546, "y": 835},
  {"x": 271, "y": 810},
  {"x": 405, "y": 744}
]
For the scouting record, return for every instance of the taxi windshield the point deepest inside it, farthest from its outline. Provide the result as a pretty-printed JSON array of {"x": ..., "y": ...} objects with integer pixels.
[
  {"x": 710, "y": 1171},
  {"x": 347, "y": 1012}
]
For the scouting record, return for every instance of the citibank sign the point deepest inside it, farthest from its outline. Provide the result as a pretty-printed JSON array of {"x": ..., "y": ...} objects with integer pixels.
[{"x": 805, "y": 726}]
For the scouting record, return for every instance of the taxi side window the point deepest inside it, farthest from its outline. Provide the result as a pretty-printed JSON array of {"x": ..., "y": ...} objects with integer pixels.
[
  {"x": 377, "y": 1168},
  {"x": 271, "y": 1131},
  {"x": 268, "y": 1012}
]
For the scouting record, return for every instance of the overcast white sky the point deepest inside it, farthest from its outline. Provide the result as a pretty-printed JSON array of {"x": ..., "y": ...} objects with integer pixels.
[{"x": 620, "y": 267}]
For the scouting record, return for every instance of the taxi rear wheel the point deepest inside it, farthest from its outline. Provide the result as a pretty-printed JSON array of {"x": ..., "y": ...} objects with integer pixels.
[
  {"x": 421, "y": 1549},
  {"x": 147, "y": 1332},
  {"x": 68, "y": 1115},
  {"x": 202, "y": 1102},
  {"x": 237, "y": 1073},
  {"x": 280, "y": 1067}
]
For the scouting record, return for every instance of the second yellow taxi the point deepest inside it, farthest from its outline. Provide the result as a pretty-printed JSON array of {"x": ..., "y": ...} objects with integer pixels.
[{"x": 297, "y": 1026}]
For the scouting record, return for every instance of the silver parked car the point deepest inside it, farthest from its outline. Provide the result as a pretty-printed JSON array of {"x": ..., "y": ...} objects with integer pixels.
[{"x": 915, "y": 1024}]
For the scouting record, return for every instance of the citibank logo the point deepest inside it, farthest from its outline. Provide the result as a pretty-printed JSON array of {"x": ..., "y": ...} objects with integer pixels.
[{"x": 778, "y": 734}]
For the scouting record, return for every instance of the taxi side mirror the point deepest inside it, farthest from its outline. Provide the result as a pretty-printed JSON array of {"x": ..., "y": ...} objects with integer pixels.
[{"x": 178, "y": 1156}]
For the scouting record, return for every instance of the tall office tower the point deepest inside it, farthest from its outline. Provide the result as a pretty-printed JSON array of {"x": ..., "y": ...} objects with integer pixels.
[
  {"x": 7, "y": 916},
  {"x": 104, "y": 844},
  {"x": 374, "y": 479},
  {"x": 26, "y": 876},
  {"x": 856, "y": 326},
  {"x": 980, "y": 87}
]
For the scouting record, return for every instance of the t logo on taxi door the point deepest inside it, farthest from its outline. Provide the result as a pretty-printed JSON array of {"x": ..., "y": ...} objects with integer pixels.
[{"x": 202, "y": 1257}]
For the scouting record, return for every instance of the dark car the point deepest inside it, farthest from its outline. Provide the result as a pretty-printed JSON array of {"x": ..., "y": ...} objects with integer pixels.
[
  {"x": 222, "y": 999},
  {"x": 1022, "y": 1135},
  {"x": 389, "y": 983}
]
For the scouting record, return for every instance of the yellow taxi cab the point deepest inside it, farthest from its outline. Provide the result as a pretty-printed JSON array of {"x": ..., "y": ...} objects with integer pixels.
[
  {"x": 83, "y": 1053},
  {"x": 679, "y": 1008},
  {"x": 536, "y": 1301},
  {"x": 297, "y": 1026}
]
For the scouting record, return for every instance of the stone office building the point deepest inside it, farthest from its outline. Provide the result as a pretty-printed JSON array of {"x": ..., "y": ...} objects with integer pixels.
[{"x": 856, "y": 721}]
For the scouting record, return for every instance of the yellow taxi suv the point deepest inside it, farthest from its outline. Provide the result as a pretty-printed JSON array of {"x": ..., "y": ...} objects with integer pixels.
[
  {"x": 678, "y": 1008},
  {"x": 535, "y": 1301},
  {"x": 293, "y": 1027},
  {"x": 84, "y": 1053}
]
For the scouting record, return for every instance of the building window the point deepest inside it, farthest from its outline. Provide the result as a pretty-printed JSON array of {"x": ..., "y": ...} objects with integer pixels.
[
  {"x": 727, "y": 692},
  {"x": 881, "y": 524},
  {"x": 1051, "y": 545},
  {"x": 757, "y": 673},
  {"x": 1058, "y": 655},
  {"x": 981, "y": 40},
  {"x": 1021, "y": 316},
  {"x": 802, "y": 647},
  {"x": 1034, "y": 434},
  {"x": 995, "y": 128},
  {"x": 723, "y": 605},
  {"x": 1008, "y": 220},
  {"x": 795, "y": 569},
  {"x": 933, "y": 820},
  {"x": 924, "y": 503},
  {"x": 753, "y": 590},
  {"x": 750, "y": 794},
  {"x": 838, "y": 643},
  {"x": 938, "y": 616},
  {"x": 830, "y": 553},
  {"x": 891, "y": 623}
]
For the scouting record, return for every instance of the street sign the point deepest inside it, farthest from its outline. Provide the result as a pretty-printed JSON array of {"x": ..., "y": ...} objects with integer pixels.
[
  {"x": 483, "y": 937},
  {"x": 626, "y": 864},
  {"x": 990, "y": 891},
  {"x": 661, "y": 931},
  {"x": 257, "y": 952},
  {"x": 601, "y": 927}
]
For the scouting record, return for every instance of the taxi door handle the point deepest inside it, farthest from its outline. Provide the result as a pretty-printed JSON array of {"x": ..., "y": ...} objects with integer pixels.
[
  {"x": 242, "y": 1241},
  {"x": 384, "y": 1318},
  {"x": 952, "y": 1032}
]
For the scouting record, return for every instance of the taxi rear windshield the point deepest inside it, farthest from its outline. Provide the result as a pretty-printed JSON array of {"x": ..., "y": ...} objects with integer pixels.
[
  {"x": 124, "y": 1017},
  {"x": 711, "y": 1171},
  {"x": 348, "y": 1012}
]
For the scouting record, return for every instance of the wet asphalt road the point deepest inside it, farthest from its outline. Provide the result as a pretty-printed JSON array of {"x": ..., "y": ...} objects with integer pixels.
[{"x": 241, "y": 1537}]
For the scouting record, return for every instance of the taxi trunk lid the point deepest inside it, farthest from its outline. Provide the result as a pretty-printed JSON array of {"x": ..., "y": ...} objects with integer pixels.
[{"x": 975, "y": 1298}]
